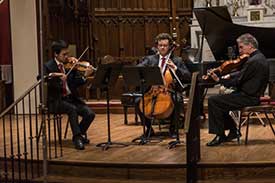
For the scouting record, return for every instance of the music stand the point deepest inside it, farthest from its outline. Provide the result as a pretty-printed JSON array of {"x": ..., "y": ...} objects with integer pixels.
[
  {"x": 107, "y": 75},
  {"x": 143, "y": 77}
]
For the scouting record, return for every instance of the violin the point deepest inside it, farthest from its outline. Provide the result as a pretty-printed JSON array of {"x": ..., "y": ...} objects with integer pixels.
[
  {"x": 74, "y": 63},
  {"x": 227, "y": 66},
  {"x": 81, "y": 66}
]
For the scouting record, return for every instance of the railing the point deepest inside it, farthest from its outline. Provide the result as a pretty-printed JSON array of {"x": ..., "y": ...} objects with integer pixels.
[{"x": 23, "y": 156}]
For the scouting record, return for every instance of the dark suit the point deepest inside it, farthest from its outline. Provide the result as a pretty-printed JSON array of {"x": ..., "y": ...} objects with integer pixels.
[
  {"x": 250, "y": 83},
  {"x": 70, "y": 104},
  {"x": 182, "y": 72}
]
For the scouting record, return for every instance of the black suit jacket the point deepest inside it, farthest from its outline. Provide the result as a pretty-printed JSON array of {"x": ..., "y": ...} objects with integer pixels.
[
  {"x": 253, "y": 77},
  {"x": 54, "y": 85},
  {"x": 182, "y": 72}
]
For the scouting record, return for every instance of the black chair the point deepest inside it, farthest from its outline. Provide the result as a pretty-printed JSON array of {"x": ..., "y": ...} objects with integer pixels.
[
  {"x": 128, "y": 100},
  {"x": 267, "y": 106}
]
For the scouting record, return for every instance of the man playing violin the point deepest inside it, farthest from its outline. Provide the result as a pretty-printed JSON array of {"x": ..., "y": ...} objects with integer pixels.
[
  {"x": 164, "y": 43},
  {"x": 63, "y": 95},
  {"x": 249, "y": 83}
]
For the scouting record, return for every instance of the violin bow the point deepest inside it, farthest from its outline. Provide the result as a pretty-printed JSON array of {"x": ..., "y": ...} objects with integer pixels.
[
  {"x": 86, "y": 49},
  {"x": 170, "y": 69}
]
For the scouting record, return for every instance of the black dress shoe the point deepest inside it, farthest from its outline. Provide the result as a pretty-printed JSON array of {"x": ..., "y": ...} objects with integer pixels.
[
  {"x": 217, "y": 140},
  {"x": 233, "y": 135},
  {"x": 78, "y": 143},
  {"x": 85, "y": 140}
]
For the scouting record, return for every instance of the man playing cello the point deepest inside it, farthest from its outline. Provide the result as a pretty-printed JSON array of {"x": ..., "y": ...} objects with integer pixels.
[{"x": 166, "y": 61}]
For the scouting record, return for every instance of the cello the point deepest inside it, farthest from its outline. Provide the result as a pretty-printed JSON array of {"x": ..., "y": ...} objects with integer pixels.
[{"x": 158, "y": 103}]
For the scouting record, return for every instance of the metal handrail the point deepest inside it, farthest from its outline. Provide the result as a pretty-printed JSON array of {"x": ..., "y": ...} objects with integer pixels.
[{"x": 20, "y": 98}]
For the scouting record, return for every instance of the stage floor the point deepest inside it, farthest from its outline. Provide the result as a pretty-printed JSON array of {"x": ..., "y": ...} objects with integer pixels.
[{"x": 260, "y": 148}]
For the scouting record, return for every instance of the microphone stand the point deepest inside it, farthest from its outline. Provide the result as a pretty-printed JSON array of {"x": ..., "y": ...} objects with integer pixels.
[{"x": 173, "y": 144}]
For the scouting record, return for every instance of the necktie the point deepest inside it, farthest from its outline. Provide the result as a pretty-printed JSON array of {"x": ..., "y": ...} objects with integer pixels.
[
  {"x": 162, "y": 62},
  {"x": 64, "y": 90}
]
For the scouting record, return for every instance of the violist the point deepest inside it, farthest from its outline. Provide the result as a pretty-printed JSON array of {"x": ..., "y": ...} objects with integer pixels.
[{"x": 249, "y": 83}]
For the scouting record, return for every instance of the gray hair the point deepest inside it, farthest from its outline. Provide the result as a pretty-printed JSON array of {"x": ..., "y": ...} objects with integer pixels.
[{"x": 247, "y": 39}]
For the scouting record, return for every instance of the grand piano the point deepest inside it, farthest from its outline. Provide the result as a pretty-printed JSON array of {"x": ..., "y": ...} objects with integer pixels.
[{"x": 221, "y": 34}]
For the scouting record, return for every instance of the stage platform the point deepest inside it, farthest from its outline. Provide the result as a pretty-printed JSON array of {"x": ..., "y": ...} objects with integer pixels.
[{"x": 154, "y": 161}]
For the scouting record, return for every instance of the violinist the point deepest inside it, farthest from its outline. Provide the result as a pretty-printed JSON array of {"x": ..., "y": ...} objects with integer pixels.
[
  {"x": 164, "y": 43},
  {"x": 62, "y": 93},
  {"x": 249, "y": 83}
]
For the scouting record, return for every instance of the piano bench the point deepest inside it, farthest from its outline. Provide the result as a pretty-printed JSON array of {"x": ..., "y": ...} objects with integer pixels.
[{"x": 129, "y": 100}]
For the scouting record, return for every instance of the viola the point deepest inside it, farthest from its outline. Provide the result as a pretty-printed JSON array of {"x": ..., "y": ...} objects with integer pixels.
[{"x": 227, "y": 66}]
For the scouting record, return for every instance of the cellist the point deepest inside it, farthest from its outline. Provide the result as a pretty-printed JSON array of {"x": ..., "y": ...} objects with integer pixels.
[{"x": 163, "y": 43}]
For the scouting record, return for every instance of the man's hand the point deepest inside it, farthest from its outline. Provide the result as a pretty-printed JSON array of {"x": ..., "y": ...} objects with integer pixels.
[
  {"x": 89, "y": 71},
  {"x": 171, "y": 64},
  {"x": 227, "y": 76},
  {"x": 214, "y": 76},
  {"x": 58, "y": 74},
  {"x": 72, "y": 60}
]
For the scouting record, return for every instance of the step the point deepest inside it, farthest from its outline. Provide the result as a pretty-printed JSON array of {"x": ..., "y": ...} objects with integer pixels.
[
  {"x": 68, "y": 179},
  {"x": 165, "y": 172},
  {"x": 105, "y": 170},
  {"x": 100, "y": 106}
]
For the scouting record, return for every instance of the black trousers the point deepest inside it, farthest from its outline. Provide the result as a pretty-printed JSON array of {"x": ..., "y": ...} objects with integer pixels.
[
  {"x": 75, "y": 108},
  {"x": 219, "y": 107}
]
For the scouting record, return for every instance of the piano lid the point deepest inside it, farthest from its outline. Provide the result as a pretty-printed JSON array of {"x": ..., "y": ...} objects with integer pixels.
[{"x": 221, "y": 33}]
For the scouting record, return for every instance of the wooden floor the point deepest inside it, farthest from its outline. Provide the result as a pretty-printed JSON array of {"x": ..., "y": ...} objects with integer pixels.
[
  {"x": 260, "y": 148},
  {"x": 122, "y": 163}
]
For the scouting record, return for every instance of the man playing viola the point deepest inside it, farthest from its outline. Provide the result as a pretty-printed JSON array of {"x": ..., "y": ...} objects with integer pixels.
[
  {"x": 63, "y": 95},
  {"x": 250, "y": 82},
  {"x": 164, "y": 43}
]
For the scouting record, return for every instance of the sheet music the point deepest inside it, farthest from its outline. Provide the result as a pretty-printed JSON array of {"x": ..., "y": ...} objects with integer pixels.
[{"x": 207, "y": 55}]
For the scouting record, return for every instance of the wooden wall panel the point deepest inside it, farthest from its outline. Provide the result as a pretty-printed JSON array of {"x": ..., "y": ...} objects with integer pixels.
[
  {"x": 114, "y": 32},
  {"x": 124, "y": 29}
]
